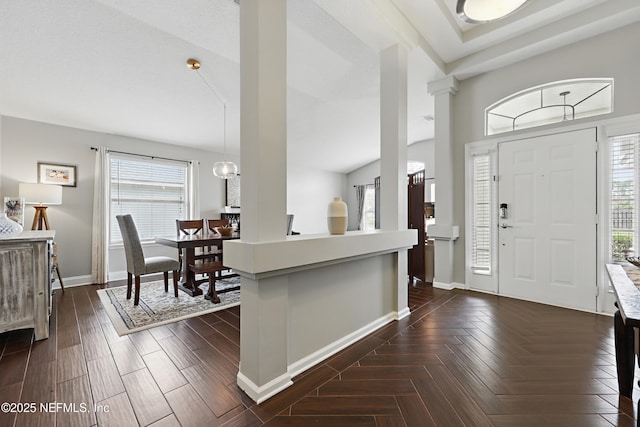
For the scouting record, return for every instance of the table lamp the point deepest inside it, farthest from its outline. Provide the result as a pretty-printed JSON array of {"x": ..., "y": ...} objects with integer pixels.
[{"x": 42, "y": 196}]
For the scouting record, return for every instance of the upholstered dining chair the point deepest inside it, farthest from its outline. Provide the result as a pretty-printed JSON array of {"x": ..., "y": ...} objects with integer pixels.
[{"x": 138, "y": 264}]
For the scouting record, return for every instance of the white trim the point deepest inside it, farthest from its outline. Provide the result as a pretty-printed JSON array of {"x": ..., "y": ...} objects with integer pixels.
[
  {"x": 70, "y": 282},
  {"x": 261, "y": 393},
  {"x": 399, "y": 315},
  {"x": 327, "y": 351},
  {"x": 445, "y": 286}
]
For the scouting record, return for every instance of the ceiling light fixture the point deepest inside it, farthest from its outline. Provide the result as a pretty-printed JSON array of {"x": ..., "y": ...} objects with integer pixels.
[
  {"x": 223, "y": 169},
  {"x": 480, "y": 11},
  {"x": 564, "y": 104}
]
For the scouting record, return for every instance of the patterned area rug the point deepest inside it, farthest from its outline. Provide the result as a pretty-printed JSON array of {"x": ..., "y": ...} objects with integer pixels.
[{"x": 158, "y": 308}]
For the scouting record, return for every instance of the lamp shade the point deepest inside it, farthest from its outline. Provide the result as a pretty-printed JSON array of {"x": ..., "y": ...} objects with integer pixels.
[
  {"x": 40, "y": 194},
  {"x": 225, "y": 170}
]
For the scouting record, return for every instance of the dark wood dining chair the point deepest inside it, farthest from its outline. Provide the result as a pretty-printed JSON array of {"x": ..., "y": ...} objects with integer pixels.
[
  {"x": 212, "y": 269},
  {"x": 213, "y": 223},
  {"x": 138, "y": 264},
  {"x": 190, "y": 227},
  {"x": 211, "y": 228}
]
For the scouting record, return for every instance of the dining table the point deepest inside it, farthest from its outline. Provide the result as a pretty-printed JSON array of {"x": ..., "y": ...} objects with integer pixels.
[{"x": 188, "y": 244}]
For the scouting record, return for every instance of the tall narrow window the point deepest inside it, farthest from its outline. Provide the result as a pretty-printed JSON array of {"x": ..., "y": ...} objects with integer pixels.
[
  {"x": 481, "y": 222},
  {"x": 624, "y": 203},
  {"x": 152, "y": 191},
  {"x": 369, "y": 217}
]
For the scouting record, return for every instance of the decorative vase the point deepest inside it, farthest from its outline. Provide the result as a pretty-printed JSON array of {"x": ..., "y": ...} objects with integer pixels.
[
  {"x": 337, "y": 216},
  {"x": 8, "y": 227}
]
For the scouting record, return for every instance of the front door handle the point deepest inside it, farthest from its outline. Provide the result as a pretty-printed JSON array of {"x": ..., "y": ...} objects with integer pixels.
[{"x": 503, "y": 225}]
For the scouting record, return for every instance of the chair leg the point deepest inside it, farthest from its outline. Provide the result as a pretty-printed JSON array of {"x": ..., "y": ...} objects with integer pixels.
[
  {"x": 212, "y": 288},
  {"x": 175, "y": 282},
  {"x": 136, "y": 298},
  {"x": 166, "y": 281},
  {"x": 128, "y": 285}
]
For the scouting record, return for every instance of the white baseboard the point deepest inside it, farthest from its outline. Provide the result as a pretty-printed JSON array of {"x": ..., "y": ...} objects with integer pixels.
[
  {"x": 442, "y": 285},
  {"x": 399, "y": 315},
  {"x": 449, "y": 286},
  {"x": 261, "y": 393},
  {"x": 331, "y": 349},
  {"x": 70, "y": 282}
]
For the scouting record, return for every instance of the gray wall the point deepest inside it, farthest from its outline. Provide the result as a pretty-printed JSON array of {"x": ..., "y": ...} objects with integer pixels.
[
  {"x": 615, "y": 54},
  {"x": 24, "y": 142},
  {"x": 421, "y": 151}
]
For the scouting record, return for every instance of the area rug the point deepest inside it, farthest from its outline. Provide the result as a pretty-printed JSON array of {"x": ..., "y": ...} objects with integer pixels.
[{"x": 158, "y": 307}]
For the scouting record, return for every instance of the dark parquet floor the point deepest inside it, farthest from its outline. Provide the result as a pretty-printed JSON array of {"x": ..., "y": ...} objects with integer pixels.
[{"x": 460, "y": 359}]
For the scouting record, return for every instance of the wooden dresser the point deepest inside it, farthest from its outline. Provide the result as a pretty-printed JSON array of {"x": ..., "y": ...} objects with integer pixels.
[{"x": 25, "y": 282}]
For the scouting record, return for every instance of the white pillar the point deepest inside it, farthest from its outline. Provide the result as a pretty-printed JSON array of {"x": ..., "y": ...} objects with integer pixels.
[
  {"x": 393, "y": 159},
  {"x": 263, "y": 119},
  {"x": 444, "y": 232},
  {"x": 263, "y": 156}
]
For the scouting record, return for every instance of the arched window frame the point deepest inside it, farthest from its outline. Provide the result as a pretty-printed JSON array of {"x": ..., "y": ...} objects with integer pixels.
[{"x": 551, "y": 98}]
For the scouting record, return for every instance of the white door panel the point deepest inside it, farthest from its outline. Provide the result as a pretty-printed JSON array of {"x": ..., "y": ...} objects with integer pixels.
[{"x": 547, "y": 242}]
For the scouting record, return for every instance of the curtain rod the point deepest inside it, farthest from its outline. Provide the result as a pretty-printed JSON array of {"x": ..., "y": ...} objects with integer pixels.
[
  {"x": 366, "y": 185},
  {"x": 143, "y": 155}
]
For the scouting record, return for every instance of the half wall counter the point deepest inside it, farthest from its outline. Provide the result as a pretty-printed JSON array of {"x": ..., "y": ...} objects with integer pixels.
[{"x": 306, "y": 297}]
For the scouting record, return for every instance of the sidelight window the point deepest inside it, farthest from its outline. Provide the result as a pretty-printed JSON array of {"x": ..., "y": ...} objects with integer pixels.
[
  {"x": 624, "y": 176},
  {"x": 481, "y": 216}
]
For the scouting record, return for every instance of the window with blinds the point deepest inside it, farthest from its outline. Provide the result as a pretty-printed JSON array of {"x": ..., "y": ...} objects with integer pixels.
[
  {"x": 624, "y": 203},
  {"x": 481, "y": 217},
  {"x": 152, "y": 191}
]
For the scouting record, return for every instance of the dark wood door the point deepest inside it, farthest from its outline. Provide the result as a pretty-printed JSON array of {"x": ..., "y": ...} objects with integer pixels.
[{"x": 416, "y": 221}]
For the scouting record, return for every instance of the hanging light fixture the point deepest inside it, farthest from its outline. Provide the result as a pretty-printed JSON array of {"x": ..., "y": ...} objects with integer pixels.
[
  {"x": 223, "y": 169},
  {"x": 564, "y": 104},
  {"x": 481, "y": 11}
]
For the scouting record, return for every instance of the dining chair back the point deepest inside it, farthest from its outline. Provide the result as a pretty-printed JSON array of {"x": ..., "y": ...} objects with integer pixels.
[
  {"x": 213, "y": 223},
  {"x": 138, "y": 264},
  {"x": 189, "y": 226}
]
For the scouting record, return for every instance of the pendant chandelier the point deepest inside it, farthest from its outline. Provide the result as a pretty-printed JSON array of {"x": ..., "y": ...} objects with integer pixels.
[
  {"x": 480, "y": 11},
  {"x": 223, "y": 169}
]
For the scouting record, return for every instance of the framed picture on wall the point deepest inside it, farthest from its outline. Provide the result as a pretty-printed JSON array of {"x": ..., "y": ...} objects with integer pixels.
[
  {"x": 14, "y": 208},
  {"x": 49, "y": 173},
  {"x": 233, "y": 192}
]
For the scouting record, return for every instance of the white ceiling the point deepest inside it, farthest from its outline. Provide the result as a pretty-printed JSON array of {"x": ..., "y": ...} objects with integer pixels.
[{"x": 118, "y": 66}]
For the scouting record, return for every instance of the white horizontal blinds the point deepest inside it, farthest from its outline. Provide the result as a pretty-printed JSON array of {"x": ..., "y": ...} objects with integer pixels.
[
  {"x": 481, "y": 232},
  {"x": 152, "y": 191},
  {"x": 624, "y": 203}
]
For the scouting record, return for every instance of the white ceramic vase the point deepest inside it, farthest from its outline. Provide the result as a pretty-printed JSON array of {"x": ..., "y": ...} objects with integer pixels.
[
  {"x": 337, "y": 216},
  {"x": 8, "y": 227}
]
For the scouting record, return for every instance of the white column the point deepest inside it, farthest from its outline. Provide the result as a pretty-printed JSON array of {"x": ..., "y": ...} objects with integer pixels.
[
  {"x": 263, "y": 119},
  {"x": 263, "y": 156},
  {"x": 444, "y": 232},
  {"x": 393, "y": 159}
]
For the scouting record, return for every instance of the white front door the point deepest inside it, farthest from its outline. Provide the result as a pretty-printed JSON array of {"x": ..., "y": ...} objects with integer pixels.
[{"x": 547, "y": 240}]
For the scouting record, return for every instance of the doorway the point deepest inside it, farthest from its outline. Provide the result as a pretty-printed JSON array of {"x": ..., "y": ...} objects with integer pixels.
[{"x": 547, "y": 219}]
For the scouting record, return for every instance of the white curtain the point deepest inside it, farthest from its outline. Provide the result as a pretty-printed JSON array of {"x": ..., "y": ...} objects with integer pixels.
[
  {"x": 360, "y": 192},
  {"x": 193, "y": 190},
  {"x": 100, "y": 229}
]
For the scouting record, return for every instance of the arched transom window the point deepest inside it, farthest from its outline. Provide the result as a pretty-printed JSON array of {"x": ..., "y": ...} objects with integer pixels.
[{"x": 550, "y": 103}]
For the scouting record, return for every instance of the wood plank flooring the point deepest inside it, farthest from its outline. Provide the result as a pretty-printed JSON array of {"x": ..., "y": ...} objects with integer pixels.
[{"x": 460, "y": 359}]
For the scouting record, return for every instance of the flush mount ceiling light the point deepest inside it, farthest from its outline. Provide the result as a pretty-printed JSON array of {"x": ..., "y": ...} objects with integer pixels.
[
  {"x": 223, "y": 169},
  {"x": 480, "y": 11}
]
